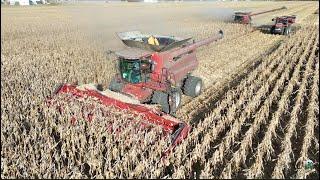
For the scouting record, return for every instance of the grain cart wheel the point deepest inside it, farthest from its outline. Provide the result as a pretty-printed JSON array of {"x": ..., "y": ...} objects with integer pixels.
[
  {"x": 192, "y": 86},
  {"x": 115, "y": 85},
  {"x": 161, "y": 98}
]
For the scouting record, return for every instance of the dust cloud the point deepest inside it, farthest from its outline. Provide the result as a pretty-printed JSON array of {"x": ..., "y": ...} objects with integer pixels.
[
  {"x": 217, "y": 14},
  {"x": 100, "y": 22}
]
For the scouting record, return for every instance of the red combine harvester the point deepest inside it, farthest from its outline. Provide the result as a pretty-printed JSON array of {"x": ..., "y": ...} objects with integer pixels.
[
  {"x": 282, "y": 25},
  {"x": 245, "y": 17},
  {"x": 149, "y": 74}
]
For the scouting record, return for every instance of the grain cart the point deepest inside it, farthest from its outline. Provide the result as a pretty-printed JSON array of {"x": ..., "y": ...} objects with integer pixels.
[
  {"x": 245, "y": 17},
  {"x": 282, "y": 25},
  {"x": 150, "y": 74}
]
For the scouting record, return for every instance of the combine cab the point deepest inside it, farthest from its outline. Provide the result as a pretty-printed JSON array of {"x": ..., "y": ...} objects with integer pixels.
[
  {"x": 153, "y": 72},
  {"x": 282, "y": 25}
]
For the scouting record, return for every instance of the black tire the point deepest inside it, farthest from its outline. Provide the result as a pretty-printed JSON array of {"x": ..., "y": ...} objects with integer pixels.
[
  {"x": 192, "y": 86},
  {"x": 289, "y": 30},
  {"x": 175, "y": 97},
  {"x": 161, "y": 98},
  {"x": 285, "y": 31},
  {"x": 169, "y": 102},
  {"x": 115, "y": 85},
  {"x": 272, "y": 30}
]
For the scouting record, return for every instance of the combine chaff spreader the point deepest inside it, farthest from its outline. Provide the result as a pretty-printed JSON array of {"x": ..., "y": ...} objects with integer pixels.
[{"x": 153, "y": 71}]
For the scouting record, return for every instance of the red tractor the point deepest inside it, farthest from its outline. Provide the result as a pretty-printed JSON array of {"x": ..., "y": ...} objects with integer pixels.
[
  {"x": 245, "y": 17},
  {"x": 282, "y": 25},
  {"x": 158, "y": 74}
]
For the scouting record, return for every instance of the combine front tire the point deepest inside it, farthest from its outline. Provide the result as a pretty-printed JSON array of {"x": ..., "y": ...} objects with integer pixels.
[
  {"x": 115, "y": 85},
  {"x": 272, "y": 31},
  {"x": 287, "y": 30},
  {"x": 161, "y": 98},
  {"x": 192, "y": 86},
  {"x": 169, "y": 102},
  {"x": 174, "y": 100}
]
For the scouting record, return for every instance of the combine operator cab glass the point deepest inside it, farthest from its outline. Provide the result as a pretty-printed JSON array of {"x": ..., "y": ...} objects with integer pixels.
[
  {"x": 130, "y": 70},
  {"x": 283, "y": 21},
  {"x": 134, "y": 71},
  {"x": 238, "y": 18}
]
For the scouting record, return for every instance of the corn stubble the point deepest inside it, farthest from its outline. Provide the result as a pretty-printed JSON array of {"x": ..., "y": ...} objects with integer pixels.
[{"x": 265, "y": 126}]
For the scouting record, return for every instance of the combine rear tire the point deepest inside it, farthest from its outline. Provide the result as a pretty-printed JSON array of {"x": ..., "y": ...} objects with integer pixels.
[
  {"x": 115, "y": 85},
  {"x": 192, "y": 86}
]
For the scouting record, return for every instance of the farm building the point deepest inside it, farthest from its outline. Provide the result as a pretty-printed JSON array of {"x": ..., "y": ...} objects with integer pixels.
[
  {"x": 19, "y": 2},
  {"x": 153, "y": 1},
  {"x": 141, "y": 0},
  {"x": 26, "y": 2}
]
